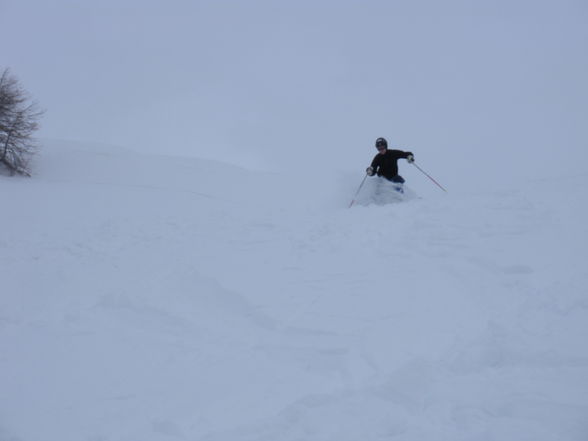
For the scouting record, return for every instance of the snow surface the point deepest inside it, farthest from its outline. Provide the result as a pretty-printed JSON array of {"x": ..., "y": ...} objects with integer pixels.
[{"x": 160, "y": 298}]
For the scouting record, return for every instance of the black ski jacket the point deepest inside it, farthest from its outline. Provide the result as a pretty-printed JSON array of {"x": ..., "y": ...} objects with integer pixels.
[{"x": 386, "y": 165}]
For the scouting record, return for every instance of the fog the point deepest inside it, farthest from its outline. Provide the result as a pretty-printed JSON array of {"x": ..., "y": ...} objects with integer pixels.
[{"x": 479, "y": 91}]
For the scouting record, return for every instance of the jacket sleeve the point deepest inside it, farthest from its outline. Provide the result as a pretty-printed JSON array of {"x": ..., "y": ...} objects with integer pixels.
[
  {"x": 375, "y": 163},
  {"x": 401, "y": 154}
]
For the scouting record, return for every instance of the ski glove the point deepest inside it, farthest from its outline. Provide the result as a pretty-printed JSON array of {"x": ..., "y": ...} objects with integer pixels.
[
  {"x": 410, "y": 158},
  {"x": 370, "y": 171}
]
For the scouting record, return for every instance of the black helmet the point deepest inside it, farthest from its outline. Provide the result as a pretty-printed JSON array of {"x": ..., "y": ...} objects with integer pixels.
[{"x": 381, "y": 142}]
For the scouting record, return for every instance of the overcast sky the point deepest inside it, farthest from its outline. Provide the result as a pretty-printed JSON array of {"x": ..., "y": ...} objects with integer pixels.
[{"x": 312, "y": 83}]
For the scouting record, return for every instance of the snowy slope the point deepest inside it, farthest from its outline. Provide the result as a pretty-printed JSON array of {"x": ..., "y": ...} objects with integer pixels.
[{"x": 158, "y": 298}]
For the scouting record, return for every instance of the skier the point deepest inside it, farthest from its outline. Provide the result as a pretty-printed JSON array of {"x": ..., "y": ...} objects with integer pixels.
[{"x": 385, "y": 162}]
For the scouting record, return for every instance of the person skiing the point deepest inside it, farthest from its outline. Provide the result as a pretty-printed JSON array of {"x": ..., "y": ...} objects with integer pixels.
[{"x": 385, "y": 162}]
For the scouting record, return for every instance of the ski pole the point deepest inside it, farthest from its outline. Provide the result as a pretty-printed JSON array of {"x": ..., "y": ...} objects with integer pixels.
[
  {"x": 358, "y": 190},
  {"x": 427, "y": 175}
]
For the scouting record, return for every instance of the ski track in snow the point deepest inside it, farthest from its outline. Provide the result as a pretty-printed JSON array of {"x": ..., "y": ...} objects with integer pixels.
[{"x": 152, "y": 298}]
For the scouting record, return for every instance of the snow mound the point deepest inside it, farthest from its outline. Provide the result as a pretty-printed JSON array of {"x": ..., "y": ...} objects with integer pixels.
[{"x": 380, "y": 191}]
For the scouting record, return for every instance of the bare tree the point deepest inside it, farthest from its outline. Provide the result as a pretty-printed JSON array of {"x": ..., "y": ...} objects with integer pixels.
[{"x": 18, "y": 122}]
